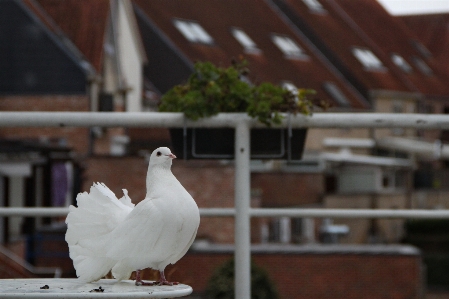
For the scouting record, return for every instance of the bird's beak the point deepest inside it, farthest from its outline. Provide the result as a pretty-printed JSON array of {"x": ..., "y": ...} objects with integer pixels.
[{"x": 172, "y": 156}]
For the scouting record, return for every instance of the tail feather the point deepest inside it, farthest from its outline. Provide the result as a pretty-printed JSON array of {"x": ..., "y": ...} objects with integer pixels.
[
  {"x": 121, "y": 271},
  {"x": 88, "y": 226},
  {"x": 89, "y": 268}
]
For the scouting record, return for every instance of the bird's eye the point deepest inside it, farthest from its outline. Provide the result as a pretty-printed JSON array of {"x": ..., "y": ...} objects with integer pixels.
[{"x": 158, "y": 154}]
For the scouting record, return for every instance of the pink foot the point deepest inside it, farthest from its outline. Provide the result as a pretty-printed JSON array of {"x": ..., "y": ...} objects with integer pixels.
[
  {"x": 140, "y": 282},
  {"x": 163, "y": 281},
  {"x": 166, "y": 283}
]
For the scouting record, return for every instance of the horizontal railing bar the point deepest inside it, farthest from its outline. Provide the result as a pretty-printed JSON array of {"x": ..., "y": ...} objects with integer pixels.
[
  {"x": 262, "y": 212},
  {"x": 217, "y": 212},
  {"x": 177, "y": 120},
  {"x": 56, "y": 212},
  {"x": 34, "y": 211},
  {"x": 351, "y": 213}
]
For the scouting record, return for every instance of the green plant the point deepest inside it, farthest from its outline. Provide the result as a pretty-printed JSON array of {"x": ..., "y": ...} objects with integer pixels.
[
  {"x": 221, "y": 284},
  {"x": 210, "y": 90}
]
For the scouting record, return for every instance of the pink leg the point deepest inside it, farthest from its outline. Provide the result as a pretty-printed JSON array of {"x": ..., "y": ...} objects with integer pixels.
[
  {"x": 140, "y": 282},
  {"x": 163, "y": 281}
]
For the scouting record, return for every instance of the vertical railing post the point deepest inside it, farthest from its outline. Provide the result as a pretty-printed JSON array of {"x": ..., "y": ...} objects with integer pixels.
[{"x": 242, "y": 213}]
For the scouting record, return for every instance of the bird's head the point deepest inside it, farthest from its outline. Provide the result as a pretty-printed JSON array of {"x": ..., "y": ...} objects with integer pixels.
[{"x": 161, "y": 156}]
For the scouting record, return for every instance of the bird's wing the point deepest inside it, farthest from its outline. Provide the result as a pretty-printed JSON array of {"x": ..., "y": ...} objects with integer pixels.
[
  {"x": 186, "y": 248},
  {"x": 141, "y": 229}
]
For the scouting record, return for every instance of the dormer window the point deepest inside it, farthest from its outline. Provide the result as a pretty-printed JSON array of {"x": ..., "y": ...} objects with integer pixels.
[
  {"x": 422, "y": 66},
  {"x": 289, "y": 47},
  {"x": 367, "y": 58},
  {"x": 335, "y": 92},
  {"x": 401, "y": 63},
  {"x": 421, "y": 49},
  {"x": 193, "y": 32},
  {"x": 314, "y": 6},
  {"x": 248, "y": 44}
]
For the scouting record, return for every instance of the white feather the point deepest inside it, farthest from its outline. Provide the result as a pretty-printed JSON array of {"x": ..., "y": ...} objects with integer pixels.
[{"x": 105, "y": 233}]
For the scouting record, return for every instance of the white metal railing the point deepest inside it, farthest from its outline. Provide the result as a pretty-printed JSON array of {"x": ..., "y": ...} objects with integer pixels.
[
  {"x": 242, "y": 123},
  {"x": 262, "y": 212},
  {"x": 167, "y": 119}
]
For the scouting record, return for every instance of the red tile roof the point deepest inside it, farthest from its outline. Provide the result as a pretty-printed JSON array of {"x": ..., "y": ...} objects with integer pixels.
[
  {"x": 389, "y": 35},
  {"x": 364, "y": 23},
  {"x": 339, "y": 35},
  {"x": 433, "y": 31},
  {"x": 82, "y": 21},
  {"x": 259, "y": 21}
]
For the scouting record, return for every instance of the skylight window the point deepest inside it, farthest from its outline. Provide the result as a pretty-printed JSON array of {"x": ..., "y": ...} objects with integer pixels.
[
  {"x": 401, "y": 63},
  {"x": 289, "y": 47},
  {"x": 368, "y": 59},
  {"x": 314, "y": 6},
  {"x": 193, "y": 32},
  {"x": 336, "y": 94},
  {"x": 421, "y": 49},
  {"x": 422, "y": 66},
  {"x": 248, "y": 44}
]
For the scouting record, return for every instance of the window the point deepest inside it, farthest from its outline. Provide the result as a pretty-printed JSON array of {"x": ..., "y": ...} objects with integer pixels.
[
  {"x": 422, "y": 66},
  {"x": 421, "y": 49},
  {"x": 248, "y": 44},
  {"x": 367, "y": 58},
  {"x": 314, "y": 6},
  {"x": 336, "y": 94},
  {"x": 193, "y": 32},
  {"x": 401, "y": 63},
  {"x": 106, "y": 102},
  {"x": 289, "y": 47},
  {"x": 280, "y": 230}
]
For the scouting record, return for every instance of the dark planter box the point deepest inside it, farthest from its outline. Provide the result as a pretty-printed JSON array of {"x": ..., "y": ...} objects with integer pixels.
[{"x": 219, "y": 143}]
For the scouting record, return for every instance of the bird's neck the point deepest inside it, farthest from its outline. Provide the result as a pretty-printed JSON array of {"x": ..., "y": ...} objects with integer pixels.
[{"x": 157, "y": 173}]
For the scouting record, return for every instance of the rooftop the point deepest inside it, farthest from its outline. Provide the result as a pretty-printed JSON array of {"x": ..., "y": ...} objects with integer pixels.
[{"x": 276, "y": 52}]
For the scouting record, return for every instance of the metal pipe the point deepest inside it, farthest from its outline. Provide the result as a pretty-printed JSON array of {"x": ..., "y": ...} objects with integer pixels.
[
  {"x": 176, "y": 120},
  {"x": 217, "y": 212},
  {"x": 33, "y": 212},
  {"x": 242, "y": 217},
  {"x": 57, "y": 212},
  {"x": 261, "y": 212},
  {"x": 434, "y": 150},
  {"x": 351, "y": 213}
]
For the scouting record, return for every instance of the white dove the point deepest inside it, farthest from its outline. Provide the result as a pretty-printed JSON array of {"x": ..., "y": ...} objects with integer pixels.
[{"x": 105, "y": 233}]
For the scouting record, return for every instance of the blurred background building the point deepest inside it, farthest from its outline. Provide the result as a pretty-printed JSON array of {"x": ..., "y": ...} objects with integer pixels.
[{"x": 120, "y": 55}]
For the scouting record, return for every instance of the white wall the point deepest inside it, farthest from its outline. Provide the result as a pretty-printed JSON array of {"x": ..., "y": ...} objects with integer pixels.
[{"x": 130, "y": 58}]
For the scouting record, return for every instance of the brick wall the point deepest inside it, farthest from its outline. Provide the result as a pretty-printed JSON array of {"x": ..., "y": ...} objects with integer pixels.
[
  {"x": 317, "y": 275},
  {"x": 117, "y": 173},
  {"x": 309, "y": 275},
  {"x": 44, "y": 103},
  {"x": 77, "y": 138},
  {"x": 280, "y": 189}
]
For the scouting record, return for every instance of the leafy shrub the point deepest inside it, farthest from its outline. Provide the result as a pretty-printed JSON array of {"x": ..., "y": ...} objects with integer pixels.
[
  {"x": 210, "y": 90},
  {"x": 221, "y": 284}
]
